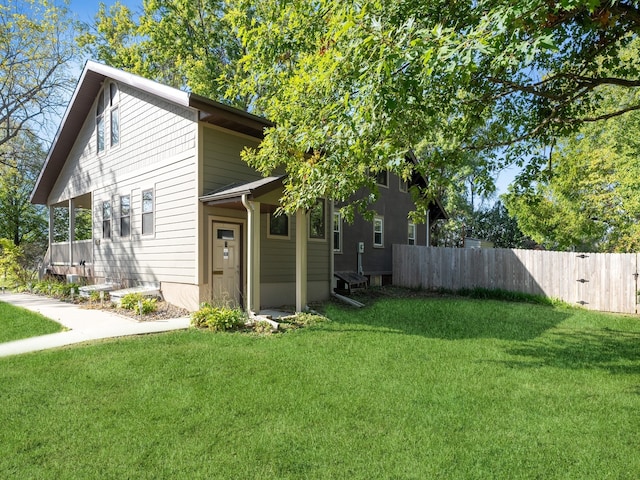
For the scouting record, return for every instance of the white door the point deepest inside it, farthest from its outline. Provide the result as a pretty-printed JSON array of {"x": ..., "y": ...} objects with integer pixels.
[{"x": 225, "y": 277}]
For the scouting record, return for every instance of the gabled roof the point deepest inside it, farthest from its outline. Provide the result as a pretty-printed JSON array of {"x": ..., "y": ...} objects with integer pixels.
[
  {"x": 87, "y": 89},
  {"x": 436, "y": 210}
]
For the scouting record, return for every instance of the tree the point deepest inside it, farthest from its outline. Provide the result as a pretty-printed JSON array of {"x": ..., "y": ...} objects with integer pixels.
[
  {"x": 352, "y": 86},
  {"x": 22, "y": 224},
  {"x": 181, "y": 43},
  {"x": 587, "y": 196},
  {"x": 496, "y": 225},
  {"x": 35, "y": 47}
]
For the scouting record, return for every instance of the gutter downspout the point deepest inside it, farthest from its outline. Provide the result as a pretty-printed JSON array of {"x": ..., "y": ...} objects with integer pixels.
[{"x": 250, "y": 253}]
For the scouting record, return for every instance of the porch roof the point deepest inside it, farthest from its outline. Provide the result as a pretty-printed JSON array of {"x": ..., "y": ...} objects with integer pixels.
[{"x": 231, "y": 195}]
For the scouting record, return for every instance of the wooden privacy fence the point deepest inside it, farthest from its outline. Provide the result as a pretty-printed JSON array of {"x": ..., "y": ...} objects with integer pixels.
[{"x": 598, "y": 281}]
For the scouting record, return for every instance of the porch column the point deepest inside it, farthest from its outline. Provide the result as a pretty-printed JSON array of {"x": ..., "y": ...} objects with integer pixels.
[
  {"x": 72, "y": 228},
  {"x": 254, "y": 226},
  {"x": 301, "y": 260},
  {"x": 51, "y": 231},
  {"x": 252, "y": 300}
]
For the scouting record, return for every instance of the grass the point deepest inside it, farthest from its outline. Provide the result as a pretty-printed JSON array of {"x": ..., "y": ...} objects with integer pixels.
[
  {"x": 405, "y": 388},
  {"x": 17, "y": 323}
]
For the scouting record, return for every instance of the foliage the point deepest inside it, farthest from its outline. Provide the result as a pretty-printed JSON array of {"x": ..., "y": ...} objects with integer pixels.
[
  {"x": 262, "y": 327},
  {"x": 15, "y": 265},
  {"x": 95, "y": 296},
  {"x": 395, "y": 390},
  {"x": 54, "y": 288},
  {"x": 178, "y": 42},
  {"x": 21, "y": 222},
  {"x": 139, "y": 303},
  {"x": 496, "y": 225},
  {"x": 471, "y": 211},
  {"x": 218, "y": 318},
  {"x": 586, "y": 197},
  {"x": 352, "y": 87},
  {"x": 35, "y": 47},
  {"x": 307, "y": 319}
]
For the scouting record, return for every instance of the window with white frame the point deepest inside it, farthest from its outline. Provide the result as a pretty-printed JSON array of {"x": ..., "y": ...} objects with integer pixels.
[
  {"x": 114, "y": 114},
  {"x": 106, "y": 219},
  {"x": 100, "y": 122},
  {"x": 382, "y": 178},
  {"x": 411, "y": 234},
  {"x": 317, "y": 220},
  {"x": 147, "y": 212},
  {"x": 125, "y": 215},
  {"x": 337, "y": 232},
  {"x": 278, "y": 225},
  {"x": 378, "y": 232},
  {"x": 404, "y": 185}
]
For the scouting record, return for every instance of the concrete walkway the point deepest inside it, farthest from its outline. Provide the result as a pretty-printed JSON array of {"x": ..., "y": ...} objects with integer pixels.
[{"x": 83, "y": 324}]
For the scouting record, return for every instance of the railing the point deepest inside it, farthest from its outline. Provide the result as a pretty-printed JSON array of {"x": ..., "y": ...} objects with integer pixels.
[{"x": 82, "y": 251}]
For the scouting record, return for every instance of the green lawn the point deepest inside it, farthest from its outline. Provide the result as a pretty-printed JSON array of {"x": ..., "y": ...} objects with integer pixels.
[
  {"x": 403, "y": 389},
  {"x": 17, "y": 323}
]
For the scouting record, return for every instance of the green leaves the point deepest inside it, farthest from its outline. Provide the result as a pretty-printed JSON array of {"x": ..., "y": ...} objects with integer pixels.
[{"x": 587, "y": 196}]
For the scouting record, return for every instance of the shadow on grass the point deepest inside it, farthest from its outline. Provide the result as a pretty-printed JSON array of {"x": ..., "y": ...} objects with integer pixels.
[
  {"x": 454, "y": 318},
  {"x": 615, "y": 351}
]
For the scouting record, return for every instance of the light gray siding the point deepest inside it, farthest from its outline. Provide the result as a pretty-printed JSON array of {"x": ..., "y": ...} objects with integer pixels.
[{"x": 157, "y": 150}]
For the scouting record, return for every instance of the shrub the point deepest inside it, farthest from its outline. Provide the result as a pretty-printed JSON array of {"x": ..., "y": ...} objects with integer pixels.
[
  {"x": 306, "y": 319},
  {"x": 262, "y": 327},
  {"x": 218, "y": 318},
  {"x": 133, "y": 301},
  {"x": 94, "y": 296}
]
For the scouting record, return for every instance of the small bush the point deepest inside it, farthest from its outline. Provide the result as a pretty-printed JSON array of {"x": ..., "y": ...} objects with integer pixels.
[
  {"x": 94, "y": 296},
  {"x": 218, "y": 318},
  {"x": 262, "y": 327},
  {"x": 307, "y": 319},
  {"x": 133, "y": 301}
]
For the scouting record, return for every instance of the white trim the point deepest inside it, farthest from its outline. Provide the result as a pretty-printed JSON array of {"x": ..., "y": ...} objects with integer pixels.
[
  {"x": 385, "y": 185},
  {"x": 102, "y": 219},
  {"x": 403, "y": 185},
  {"x": 339, "y": 231},
  {"x": 153, "y": 212},
  {"x": 278, "y": 237},
  {"x": 409, "y": 230},
  {"x": 381, "y": 220}
]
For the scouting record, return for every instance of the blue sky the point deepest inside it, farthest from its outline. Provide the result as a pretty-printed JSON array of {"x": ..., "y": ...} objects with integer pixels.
[{"x": 85, "y": 10}]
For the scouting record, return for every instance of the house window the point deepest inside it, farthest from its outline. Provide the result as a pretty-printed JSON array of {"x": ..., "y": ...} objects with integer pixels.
[
  {"x": 317, "y": 220},
  {"x": 404, "y": 185},
  {"x": 411, "y": 234},
  {"x": 337, "y": 232},
  {"x": 100, "y": 122},
  {"x": 106, "y": 219},
  {"x": 382, "y": 178},
  {"x": 278, "y": 225},
  {"x": 115, "y": 114},
  {"x": 147, "y": 212},
  {"x": 125, "y": 215},
  {"x": 378, "y": 232}
]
